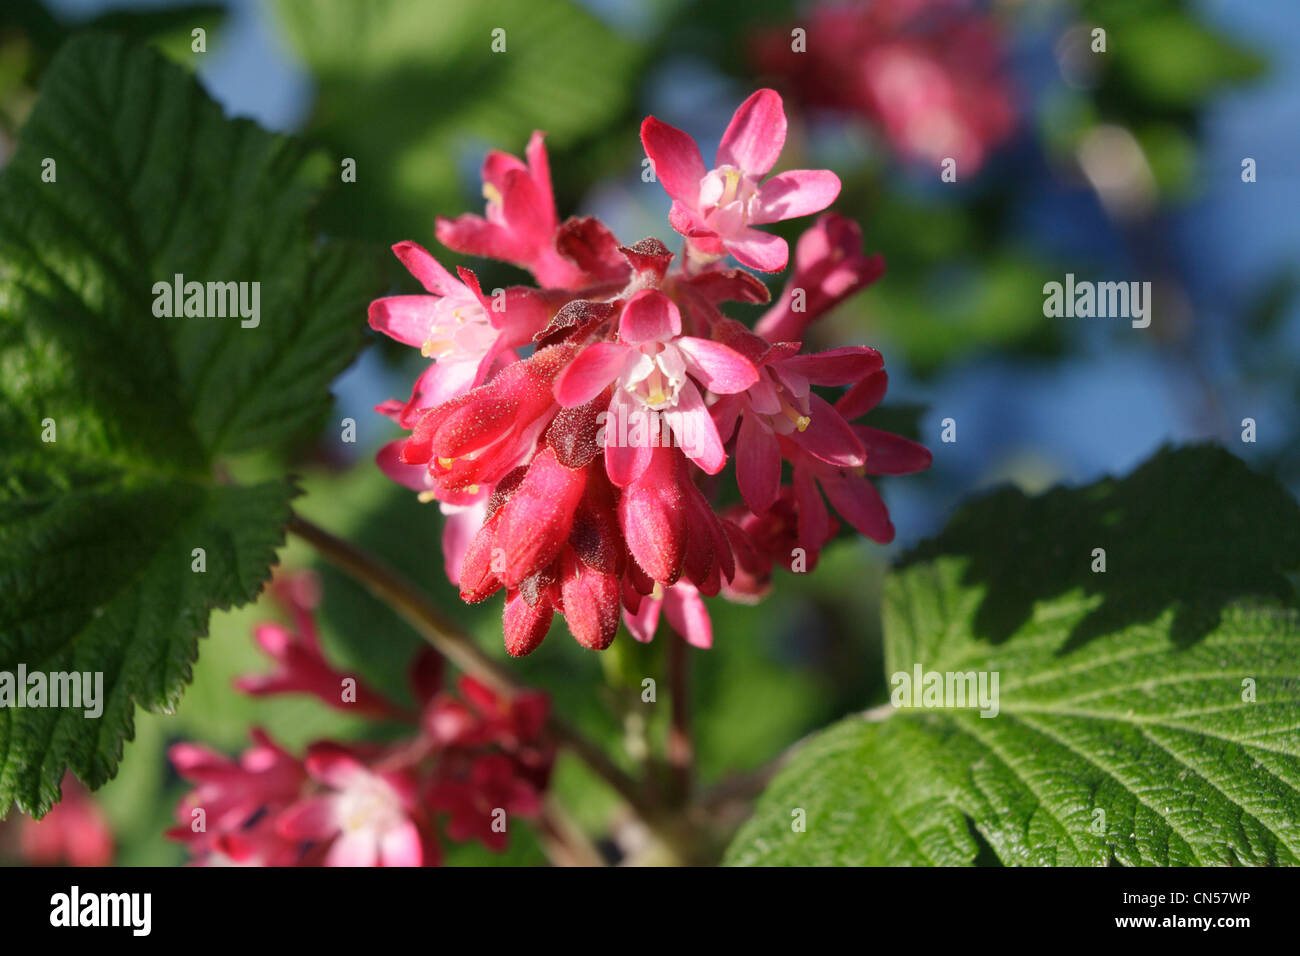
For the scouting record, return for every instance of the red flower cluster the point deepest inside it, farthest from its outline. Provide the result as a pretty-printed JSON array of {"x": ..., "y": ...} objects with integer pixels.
[
  {"x": 475, "y": 759},
  {"x": 931, "y": 74},
  {"x": 571, "y": 474}
]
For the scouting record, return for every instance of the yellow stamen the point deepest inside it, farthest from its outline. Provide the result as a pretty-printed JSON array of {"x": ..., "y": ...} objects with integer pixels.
[
  {"x": 731, "y": 184},
  {"x": 801, "y": 422},
  {"x": 425, "y": 497},
  {"x": 491, "y": 193},
  {"x": 446, "y": 462}
]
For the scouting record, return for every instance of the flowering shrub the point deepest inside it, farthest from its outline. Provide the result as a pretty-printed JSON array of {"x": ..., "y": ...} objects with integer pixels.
[
  {"x": 644, "y": 432},
  {"x": 570, "y": 475}
]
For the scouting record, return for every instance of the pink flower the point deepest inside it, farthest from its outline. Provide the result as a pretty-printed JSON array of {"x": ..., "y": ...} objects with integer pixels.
[
  {"x": 520, "y": 223},
  {"x": 474, "y": 439},
  {"x": 368, "y": 817},
  {"x": 652, "y": 367},
  {"x": 463, "y": 330},
  {"x": 479, "y": 800},
  {"x": 828, "y": 268},
  {"x": 684, "y": 609},
  {"x": 74, "y": 832},
  {"x": 234, "y": 797},
  {"x": 781, "y": 406},
  {"x": 932, "y": 74},
  {"x": 716, "y": 209},
  {"x": 847, "y": 487},
  {"x": 761, "y": 542},
  {"x": 301, "y": 665}
]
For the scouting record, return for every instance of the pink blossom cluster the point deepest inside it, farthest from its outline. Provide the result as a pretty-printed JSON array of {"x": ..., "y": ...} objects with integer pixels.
[
  {"x": 74, "y": 833},
  {"x": 471, "y": 762},
  {"x": 573, "y": 431},
  {"x": 931, "y": 74}
]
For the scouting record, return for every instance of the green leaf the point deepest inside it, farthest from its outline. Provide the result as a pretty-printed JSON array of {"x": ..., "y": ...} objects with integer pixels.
[
  {"x": 98, "y": 526},
  {"x": 1147, "y": 715},
  {"x": 413, "y": 90}
]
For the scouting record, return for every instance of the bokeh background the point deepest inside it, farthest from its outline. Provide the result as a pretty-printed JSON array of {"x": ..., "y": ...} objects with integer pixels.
[{"x": 1123, "y": 165}]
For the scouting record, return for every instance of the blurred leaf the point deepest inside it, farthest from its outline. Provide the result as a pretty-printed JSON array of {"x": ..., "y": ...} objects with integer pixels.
[
  {"x": 1171, "y": 60},
  {"x": 412, "y": 90}
]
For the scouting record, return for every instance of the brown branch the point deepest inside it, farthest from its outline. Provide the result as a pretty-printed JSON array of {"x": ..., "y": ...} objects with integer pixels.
[{"x": 680, "y": 750}]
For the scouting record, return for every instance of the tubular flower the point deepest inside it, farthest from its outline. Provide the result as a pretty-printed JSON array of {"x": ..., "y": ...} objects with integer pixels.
[
  {"x": 300, "y": 664},
  {"x": 829, "y": 266},
  {"x": 520, "y": 225},
  {"x": 574, "y": 479},
  {"x": 464, "y": 331}
]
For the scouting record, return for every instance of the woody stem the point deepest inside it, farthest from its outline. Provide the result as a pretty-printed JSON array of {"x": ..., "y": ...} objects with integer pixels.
[{"x": 413, "y": 606}]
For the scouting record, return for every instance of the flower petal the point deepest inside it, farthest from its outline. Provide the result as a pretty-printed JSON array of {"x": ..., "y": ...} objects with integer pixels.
[
  {"x": 686, "y": 612},
  {"x": 675, "y": 159},
  {"x": 758, "y": 465},
  {"x": 799, "y": 192},
  {"x": 696, "y": 434},
  {"x": 624, "y": 462},
  {"x": 406, "y": 318},
  {"x": 539, "y": 167},
  {"x": 756, "y": 134},
  {"x": 330, "y": 764},
  {"x": 861, "y": 505},
  {"x": 864, "y": 396},
  {"x": 354, "y": 848},
  {"x": 725, "y": 412},
  {"x": 890, "y": 454},
  {"x": 649, "y": 316},
  {"x": 814, "y": 521},
  {"x": 421, "y": 264},
  {"x": 718, "y": 368},
  {"x": 401, "y": 846},
  {"x": 459, "y": 528},
  {"x": 829, "y": 437},
  {"x": 415, "y": 477},
  {"x": 310, "y": 819},
  {"x": 845, "y": 366},
  {"x": 590, "y": 373},
  {"x": 642, "y": 624},
  {"x": 759, "y": 250}
]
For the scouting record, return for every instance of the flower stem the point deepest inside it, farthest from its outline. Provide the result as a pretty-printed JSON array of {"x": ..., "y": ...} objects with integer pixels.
[
  {"x": 387, "y": 584},
  {"x": 680, "y": 746}
]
